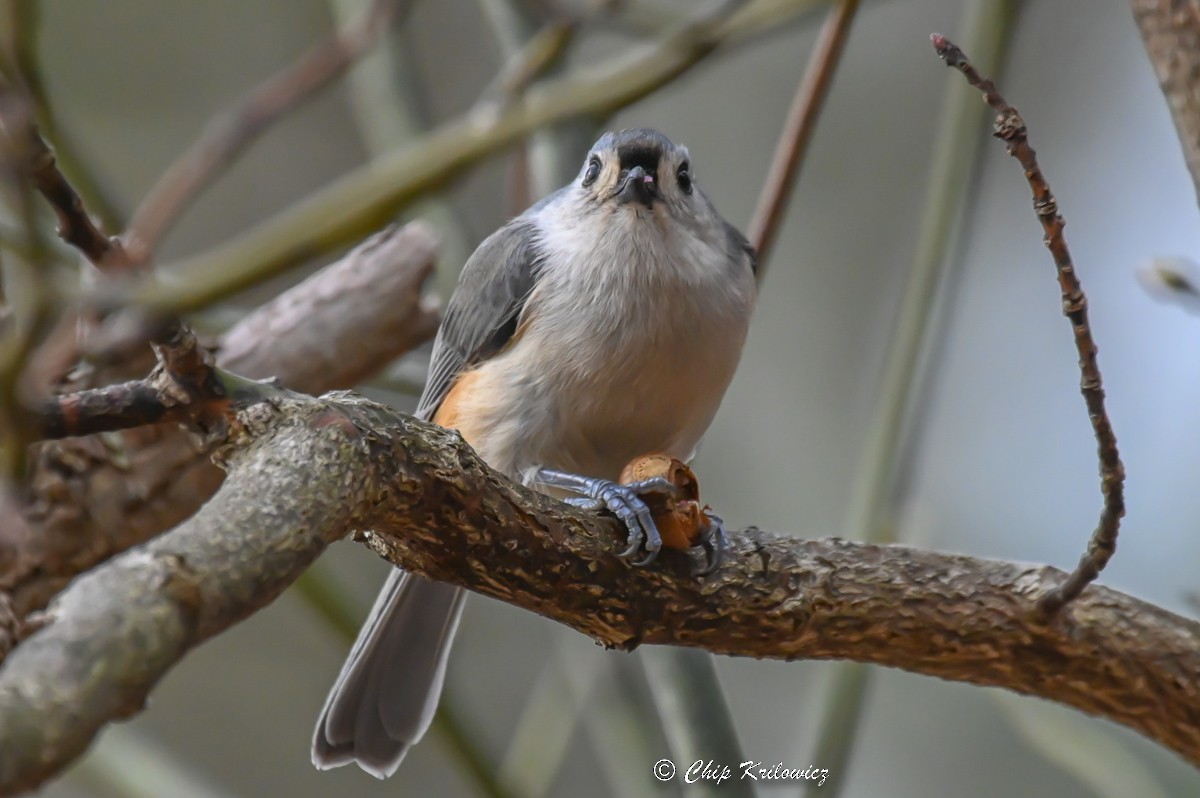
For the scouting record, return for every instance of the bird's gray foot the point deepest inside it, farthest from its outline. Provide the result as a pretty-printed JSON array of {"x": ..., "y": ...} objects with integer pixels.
[{"x": 623, "y": 501}]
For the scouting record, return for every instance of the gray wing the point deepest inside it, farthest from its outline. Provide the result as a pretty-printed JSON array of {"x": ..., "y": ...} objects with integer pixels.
[{"x": 482, "y": 314}]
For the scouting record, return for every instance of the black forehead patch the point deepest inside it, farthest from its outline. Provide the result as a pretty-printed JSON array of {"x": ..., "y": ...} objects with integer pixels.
[
  {"x": 636, "y": 147},
  {"x": 633, "y": 155}
]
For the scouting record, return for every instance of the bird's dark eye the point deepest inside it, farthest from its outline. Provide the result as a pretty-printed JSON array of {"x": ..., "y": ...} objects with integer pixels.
[
  {"x": 593, "y": 171},
  {"x": 684, "y": 176}
]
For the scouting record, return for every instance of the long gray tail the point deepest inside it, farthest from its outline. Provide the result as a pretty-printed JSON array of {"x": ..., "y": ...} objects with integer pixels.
[{"x": 384, "y": 699}]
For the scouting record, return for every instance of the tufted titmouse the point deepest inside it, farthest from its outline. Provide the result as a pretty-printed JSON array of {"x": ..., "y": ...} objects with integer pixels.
[{"x": 603, "y": 323}]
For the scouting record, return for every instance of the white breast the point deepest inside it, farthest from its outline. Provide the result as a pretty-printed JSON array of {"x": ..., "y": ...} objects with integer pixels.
[{"x": 620, "y": 354}]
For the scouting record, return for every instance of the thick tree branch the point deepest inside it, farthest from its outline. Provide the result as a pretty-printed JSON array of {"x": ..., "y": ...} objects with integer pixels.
[
  {"x": 118, "y": 629},
  {"x": 349, "y": 320},
  {"x": 305, "y": 472}
]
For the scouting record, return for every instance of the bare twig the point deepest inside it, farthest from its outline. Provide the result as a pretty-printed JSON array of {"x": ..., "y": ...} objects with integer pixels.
[
  {"x": 174, "y": 342},
  {"x": 113, "y": 407},
  {"x": 75, "y": 226},
  {"x": 93, "y": 499},
  {"x": 38, "y": 166},
  {"x": 389, "y": 103},
  {"x": 184, "y": 386},
  {"x": 231, "y": 132},
  {"x": 797, "y": 132},
  {"x": 306, "y": 472},
  {"x": 24, "y": 72},
  {"x": 536, "y": 166},
  {"x": 29, "y": 322},
  {"x": 544, "y": 49},
  {"x": 366, "y": 199},
  {"x": 871, "y": 518},
  {"x": 1010, "y": 128}
]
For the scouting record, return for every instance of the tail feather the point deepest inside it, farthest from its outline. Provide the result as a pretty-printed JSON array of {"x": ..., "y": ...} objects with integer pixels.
[{"x": 385, "y": 696}]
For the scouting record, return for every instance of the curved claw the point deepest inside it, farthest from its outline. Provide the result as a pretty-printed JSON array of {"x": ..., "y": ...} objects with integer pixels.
[
  {"x": 635, "y": 542},
  {"x": 714, "y": 540},
  {"x": 712, "y": 558},
  {"x": 649, "y": 558}
]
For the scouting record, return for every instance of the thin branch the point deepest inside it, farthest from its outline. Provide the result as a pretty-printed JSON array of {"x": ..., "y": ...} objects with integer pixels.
[
  {"x": 798, "y": 129},
  {"x": 986, "y": 26},
  {"x": 693, "y": 713},
  {"x": 75, "y": 226},
  {"x": 24, "y": 71},
  {"x": 59, "y": 346},
  {"x": 113, "y": 407},
  {"x": 542, "y": 52},
  {"x": 536, "y": 164},
  {"x": 226, "y": 136},
  {"x": 305, "y": 472},
  {"x": 388, "y": 105},
  {"x": 371, "y": 196},
  {"x": 93, "y": 499},
  {"x": 32, "y": 318},
  {"x": 39, "y": 166},
  {"x": 841, "y": 719},
  {"x": 184, "y": 364},
  {"x": 184, "y": 386},
  {"x": 1010, "y": 128},
  {"x": 559, "y": 699}
]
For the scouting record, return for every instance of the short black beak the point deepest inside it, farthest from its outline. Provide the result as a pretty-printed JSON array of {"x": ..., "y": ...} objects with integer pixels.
[{"x": 638, "y": 186}]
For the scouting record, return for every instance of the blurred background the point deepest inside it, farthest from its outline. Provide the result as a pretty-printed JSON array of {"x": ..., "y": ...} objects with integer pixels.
[{"x": 993, "y": 457}]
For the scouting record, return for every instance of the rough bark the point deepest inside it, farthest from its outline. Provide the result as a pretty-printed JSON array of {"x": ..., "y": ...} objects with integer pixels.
[
  {"x": 313, "y": 471},
  {"x": 116, "y": 630},
  {"x": 95, "y": 497},
  {"x": 339, "y": 328}
]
